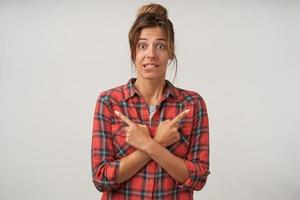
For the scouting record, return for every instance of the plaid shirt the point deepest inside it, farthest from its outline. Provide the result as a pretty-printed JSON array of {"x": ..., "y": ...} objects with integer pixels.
[{"x": 151, "y": 181}]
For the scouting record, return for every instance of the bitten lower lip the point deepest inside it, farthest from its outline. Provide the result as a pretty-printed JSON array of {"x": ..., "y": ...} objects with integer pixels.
[{"x": 150, "y": 65}]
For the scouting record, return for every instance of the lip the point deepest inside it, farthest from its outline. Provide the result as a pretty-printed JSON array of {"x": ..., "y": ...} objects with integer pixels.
[{"x": 150, "y": 65}]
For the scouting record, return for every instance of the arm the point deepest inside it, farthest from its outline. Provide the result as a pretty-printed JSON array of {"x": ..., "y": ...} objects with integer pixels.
[
  {"x": 174, "y": 165},
  {"x": 136, "y": 135},
  {"x": 104, "y": 164},
  {"x": 107, "y": 171},
  {"x": 131, "y": 164},
  {"x": 167, "y": 133},
  {"x": 191, "y": 173},
  {"x": 198, "y": 157}
]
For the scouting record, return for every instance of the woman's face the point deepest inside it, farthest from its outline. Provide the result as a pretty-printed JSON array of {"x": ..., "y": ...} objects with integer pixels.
[{"x": 151, "y": 54}]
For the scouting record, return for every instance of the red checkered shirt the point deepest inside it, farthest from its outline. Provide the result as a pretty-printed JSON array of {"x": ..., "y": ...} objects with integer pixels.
[{"x": 151, "y": 181}]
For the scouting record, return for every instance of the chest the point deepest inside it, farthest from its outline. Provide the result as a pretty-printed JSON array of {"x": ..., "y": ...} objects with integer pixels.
[{"x": 141, "y": 114}]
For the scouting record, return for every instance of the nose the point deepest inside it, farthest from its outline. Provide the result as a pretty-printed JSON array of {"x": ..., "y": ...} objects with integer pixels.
[{"x": 151, "y": 52}]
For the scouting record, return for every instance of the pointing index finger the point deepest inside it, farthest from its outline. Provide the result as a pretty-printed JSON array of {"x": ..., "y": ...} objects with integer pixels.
[
  {"x": 124, "y": 118},
  {"x": 180, "y": 116}
]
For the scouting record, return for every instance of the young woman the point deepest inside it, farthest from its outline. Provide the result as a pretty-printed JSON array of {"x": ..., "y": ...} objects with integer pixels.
[{"x": 150, "y": 138}]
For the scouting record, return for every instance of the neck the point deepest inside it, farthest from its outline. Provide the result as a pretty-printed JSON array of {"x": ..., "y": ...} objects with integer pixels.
[{"x": 151, "y": 90}]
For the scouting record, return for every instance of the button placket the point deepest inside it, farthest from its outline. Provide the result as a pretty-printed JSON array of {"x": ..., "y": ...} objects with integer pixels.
[{"x": 150, "y": 178}]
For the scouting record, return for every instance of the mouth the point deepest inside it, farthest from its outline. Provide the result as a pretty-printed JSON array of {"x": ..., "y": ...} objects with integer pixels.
[{"x": 150, "y": 65}]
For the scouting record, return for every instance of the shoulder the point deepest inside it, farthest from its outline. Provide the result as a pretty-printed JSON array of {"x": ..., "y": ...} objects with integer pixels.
[
  {"x": 112, "y": 95},
  {"x": 188, "y": 96},
  {"x": 193, "y": 99}
]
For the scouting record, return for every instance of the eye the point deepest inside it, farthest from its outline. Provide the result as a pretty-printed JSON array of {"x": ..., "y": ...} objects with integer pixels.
[
  {"x": 142, "y": 45},
  {"x": 161, "y": 46}
]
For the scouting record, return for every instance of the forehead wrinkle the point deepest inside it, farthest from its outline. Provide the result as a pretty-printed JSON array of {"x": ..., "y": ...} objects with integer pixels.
[{"x": 152, "y": 32}]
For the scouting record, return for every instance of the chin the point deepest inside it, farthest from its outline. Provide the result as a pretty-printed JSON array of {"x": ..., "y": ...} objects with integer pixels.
[{"x": 153, "y": 76}]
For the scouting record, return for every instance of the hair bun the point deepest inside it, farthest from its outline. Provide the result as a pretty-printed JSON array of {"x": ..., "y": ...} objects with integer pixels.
[{"x": 153, "y": 8}]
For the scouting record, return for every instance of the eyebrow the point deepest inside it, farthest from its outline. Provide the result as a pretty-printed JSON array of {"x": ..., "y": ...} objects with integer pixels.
[{"x": 160, "y": 39}]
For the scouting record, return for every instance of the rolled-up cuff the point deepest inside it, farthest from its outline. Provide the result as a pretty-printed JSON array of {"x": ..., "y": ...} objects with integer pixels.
[
  {"x": 197, "y": 177},
  {"x": 105, "y": 180}
]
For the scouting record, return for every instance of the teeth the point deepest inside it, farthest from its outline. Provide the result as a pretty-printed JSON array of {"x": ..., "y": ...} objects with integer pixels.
[{"x": 150, "y": 65}]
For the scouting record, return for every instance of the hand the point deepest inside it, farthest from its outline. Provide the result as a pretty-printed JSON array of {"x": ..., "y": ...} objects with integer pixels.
[
  {"x": 167, "y": 131},
  {"x": 137, "y": 135}
]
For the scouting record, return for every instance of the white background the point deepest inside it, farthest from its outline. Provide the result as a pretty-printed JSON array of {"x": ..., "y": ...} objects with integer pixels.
[{"x": 241, "y": 56}]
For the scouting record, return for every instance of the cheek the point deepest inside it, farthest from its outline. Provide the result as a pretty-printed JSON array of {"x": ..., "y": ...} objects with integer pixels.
[
  {"x": 139, "y": 56},
  {"x": 165, "y": 59}
]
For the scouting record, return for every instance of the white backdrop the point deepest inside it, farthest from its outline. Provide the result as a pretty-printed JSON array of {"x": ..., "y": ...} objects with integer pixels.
[{"x": 242, "y": 57}]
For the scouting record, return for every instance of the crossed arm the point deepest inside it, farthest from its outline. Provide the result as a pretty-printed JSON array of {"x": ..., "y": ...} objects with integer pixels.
[
  {"x": 108, "y": 171},
  {"x": 149, "y": 148}
]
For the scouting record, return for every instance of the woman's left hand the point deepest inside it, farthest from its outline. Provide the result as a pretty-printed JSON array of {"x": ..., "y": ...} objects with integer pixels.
[{"x": 137, "y": 135}]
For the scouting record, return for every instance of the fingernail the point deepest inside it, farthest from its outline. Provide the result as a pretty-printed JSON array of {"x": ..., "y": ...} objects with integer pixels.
[
  {"x": 117, "y": 113},
  {"x": 188, "y": 110}
]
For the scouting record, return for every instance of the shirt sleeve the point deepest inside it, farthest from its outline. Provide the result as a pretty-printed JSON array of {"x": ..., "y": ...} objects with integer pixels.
[
  {"x": 105, "y": 166},
  {"x": 197, "y": 161}
]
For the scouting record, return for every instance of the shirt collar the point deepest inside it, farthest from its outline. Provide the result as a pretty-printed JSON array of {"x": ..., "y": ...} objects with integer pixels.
[{"x": 129, "y": 90}]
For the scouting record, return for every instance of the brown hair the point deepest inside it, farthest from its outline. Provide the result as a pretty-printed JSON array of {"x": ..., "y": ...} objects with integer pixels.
[{"x": 148, "y": 16}]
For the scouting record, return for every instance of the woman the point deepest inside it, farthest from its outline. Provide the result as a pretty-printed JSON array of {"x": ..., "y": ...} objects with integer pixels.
[{"x": 150, "y": 139}]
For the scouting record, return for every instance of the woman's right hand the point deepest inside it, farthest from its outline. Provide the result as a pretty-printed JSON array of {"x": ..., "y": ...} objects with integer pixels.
[{"x": 167, "y": 131}]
